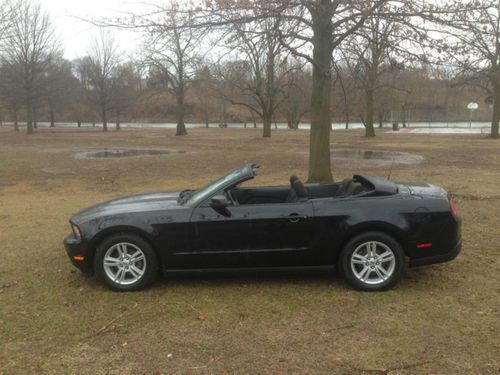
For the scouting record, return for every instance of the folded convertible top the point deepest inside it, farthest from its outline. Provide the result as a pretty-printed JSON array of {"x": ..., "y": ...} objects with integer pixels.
[{"x": 380, "y": 185}]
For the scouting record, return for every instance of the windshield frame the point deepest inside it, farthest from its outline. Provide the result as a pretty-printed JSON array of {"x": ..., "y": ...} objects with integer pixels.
[{"x": 232, "y": 178}]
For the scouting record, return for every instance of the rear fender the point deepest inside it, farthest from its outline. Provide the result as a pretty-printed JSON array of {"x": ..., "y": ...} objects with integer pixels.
[{"x": 377, "y": 226}]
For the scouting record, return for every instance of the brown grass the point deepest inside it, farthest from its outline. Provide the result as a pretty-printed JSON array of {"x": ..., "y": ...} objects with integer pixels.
[{"x": 442, "y": 319}]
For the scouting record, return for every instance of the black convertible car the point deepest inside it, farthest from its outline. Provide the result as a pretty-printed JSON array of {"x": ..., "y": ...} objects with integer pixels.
[{"x": 365, "y": 226}]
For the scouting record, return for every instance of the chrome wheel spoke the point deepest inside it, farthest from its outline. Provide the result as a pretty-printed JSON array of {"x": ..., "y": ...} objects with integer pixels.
[
  {"x": 137, "y": 258},
  {"x": 386, "y": 257},
  {"x": 365, "y": 272},
  {"x": 372, "y": 249},
  {"x": 136, "y": 272},
  {"x": 111, "y": 262},
  {"x": 358, "y": 259},
  {"x": 119, "y": 275},
  {"x": 382, "y": 271},
  {"x": 379, "y": 274},
  {"x": 122, "y": 249}
]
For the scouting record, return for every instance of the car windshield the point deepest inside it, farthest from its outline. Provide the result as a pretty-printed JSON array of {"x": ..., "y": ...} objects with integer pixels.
[{"x": 213, "y": 187}]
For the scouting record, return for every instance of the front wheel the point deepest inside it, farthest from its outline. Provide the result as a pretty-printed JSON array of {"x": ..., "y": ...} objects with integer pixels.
[
  {"x": 372, "y": 261},
  {"x": 125, "y": 262}
]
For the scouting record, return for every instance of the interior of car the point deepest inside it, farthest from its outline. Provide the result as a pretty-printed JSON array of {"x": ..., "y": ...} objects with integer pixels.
[{"x": 298, "y": 191}]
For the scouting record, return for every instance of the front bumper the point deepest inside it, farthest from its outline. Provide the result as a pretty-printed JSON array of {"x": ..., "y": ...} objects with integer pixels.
[
  {"x": 78, "y": 254},
  {"x": 441, "y": 258}
]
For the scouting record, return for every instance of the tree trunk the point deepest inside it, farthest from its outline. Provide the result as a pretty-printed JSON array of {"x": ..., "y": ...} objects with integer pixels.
[
  {"x": 319, "y": 143},
  {"x": 369, "y": 129},
  {"x": 496, "y": 111},
  {"x": 117, "y": 120},
  {"x": 253, "y": 120},
  {"x": 104, "y": 118},
  {"x": 52, "y": 122},
  {"x": 79, "y": 123},
  {"x": 267, "y": 120},
  {"x": 380, "y": 120},
  {"x": 403, "y": 116},
  {"x": 181, "y": 126},
  {"x": 29, "y": 116},
  {"x": 16, "y": 121}
]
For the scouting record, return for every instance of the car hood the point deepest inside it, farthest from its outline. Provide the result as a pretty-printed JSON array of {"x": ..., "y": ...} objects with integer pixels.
[{"x": 135, "y": 203}]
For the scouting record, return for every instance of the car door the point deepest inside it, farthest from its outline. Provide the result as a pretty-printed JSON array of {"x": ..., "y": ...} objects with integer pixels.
[
  {"x": 217, "y": 240},
  {"x": 282, "y": 234}
]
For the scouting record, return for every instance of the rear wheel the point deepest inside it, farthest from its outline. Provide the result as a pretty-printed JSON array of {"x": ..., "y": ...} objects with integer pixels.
[
  {"x": 125, "y": 262},
  {"x": 372, "y": 261}
]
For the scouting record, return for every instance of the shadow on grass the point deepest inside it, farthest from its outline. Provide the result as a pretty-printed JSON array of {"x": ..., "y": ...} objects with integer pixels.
[{"x": 255, "y": 278}]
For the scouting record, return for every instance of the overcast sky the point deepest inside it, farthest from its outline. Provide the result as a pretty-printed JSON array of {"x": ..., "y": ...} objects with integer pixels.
[{"x": 76, "y": 35}]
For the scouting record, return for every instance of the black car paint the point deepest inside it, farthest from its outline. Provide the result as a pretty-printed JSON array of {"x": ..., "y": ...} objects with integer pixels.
[{"x": 301, "y": 234}]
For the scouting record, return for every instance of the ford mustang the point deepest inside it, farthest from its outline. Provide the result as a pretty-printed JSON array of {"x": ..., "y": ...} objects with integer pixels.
[{"x": 367, "y": 227}]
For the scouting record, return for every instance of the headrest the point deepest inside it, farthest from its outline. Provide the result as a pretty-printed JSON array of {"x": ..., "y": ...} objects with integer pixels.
[{"x": 300, "y": 189}]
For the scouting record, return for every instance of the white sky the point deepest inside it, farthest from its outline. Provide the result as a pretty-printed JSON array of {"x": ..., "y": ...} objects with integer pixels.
[{"x": 76, "y": 35}]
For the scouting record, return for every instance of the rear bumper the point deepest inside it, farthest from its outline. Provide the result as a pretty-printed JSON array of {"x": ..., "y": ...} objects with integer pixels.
[
  {"x": 441, "y": 258},
  {"x": 77, "y": 248}
]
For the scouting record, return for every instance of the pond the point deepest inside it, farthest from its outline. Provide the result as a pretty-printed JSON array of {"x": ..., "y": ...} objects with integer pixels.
[
  {"x": 378, "y": 157},
  {"x": 124, "y": 153}
]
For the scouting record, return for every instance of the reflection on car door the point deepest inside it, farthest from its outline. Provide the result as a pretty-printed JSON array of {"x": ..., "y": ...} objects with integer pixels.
[
  {"x": 218, "y": 241},
  {"x": 282, "y": 234}
]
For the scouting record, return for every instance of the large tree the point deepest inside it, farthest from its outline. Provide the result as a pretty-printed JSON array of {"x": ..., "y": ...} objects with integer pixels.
[
  {"x": 296, "y": 94},
  {"x": 468, "y": 36},
  {"x": 124, "y": 89},
  {"x": 59, "y": 87},
  {"x": 261, "y": 82},
  {"x": 29, "y": 47},
  {"x": 314, "y": 30},
  {"x": 171, "y": 50},
  {"x": 370, "y": 53},
  {"x": 103, "y": 60}
]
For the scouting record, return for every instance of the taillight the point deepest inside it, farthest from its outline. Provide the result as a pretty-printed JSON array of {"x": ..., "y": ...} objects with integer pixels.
[{"x": 453, "y": 208}]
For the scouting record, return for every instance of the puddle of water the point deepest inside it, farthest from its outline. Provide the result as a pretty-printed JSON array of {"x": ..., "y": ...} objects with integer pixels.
[
  {"x": 376, "y": 156},
  {"x": 124, "y": 153}
]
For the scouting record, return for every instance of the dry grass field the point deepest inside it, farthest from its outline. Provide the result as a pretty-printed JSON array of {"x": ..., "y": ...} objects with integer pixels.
[{"x": 441, "y": 319}]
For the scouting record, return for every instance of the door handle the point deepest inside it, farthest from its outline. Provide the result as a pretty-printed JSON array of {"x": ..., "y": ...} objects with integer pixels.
[{"x": 295, "y": 218}]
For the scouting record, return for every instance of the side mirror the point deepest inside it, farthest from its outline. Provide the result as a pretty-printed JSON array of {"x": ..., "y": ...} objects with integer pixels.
[{"x": 220, "y": 203}]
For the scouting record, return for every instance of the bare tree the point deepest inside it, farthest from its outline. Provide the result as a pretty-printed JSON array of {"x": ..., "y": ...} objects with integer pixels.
[
  {"x": 7, "y": 9},
  {"x": 30, "y": 46},
  {"x": 123, "y": 90},
  {"x": 469, "y": 39},
  {"x": 11, "y": 91},
  {"x": 370, "y": 53},
  {"x": 296, "y": 95},
  {"x": 172, "y": 50},
  {"x": 315, "y": 29},
  {"x": 84, "y": 100},
  {"x": 263, "y": 78},
  {"x": 58, "y": 87},
  {"x": 204, "y": 89},
  {"x": 103, "y": 59}
]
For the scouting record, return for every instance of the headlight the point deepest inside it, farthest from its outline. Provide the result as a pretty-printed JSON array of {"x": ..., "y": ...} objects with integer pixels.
[{"x": 76, "y": 231}]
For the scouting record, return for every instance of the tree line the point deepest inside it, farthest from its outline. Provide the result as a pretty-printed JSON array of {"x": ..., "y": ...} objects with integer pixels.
[{"x": 257, "y": 61}]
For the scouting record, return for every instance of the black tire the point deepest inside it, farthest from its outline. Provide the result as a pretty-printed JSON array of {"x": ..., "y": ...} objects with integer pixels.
[
  {"x": 381, "y": 239},
  {"x": 150, "y": 264}
]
